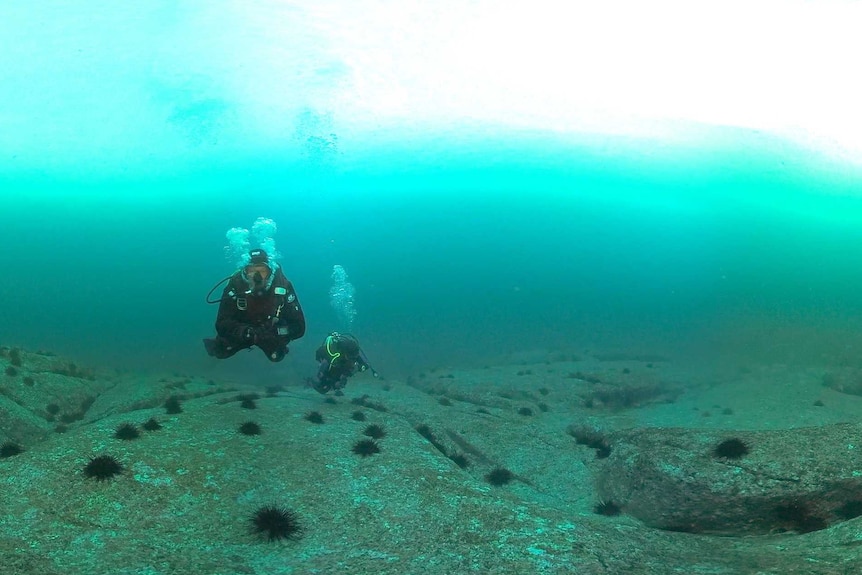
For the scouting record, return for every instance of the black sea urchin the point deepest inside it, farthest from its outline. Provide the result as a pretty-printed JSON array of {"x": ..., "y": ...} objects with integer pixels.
[
  {"x": 314, "y": 417},
  {"x": 103, "y": 467},
  {"x": 152, "y": 424},
  {"x": 249, "y": 428},
  {"x": 733, "y": 448},
  {"x": 426, "y": 432},
  {"x": 127, "y": 431},
  {"x": 607, "y": 507},
  {"x": 499, "y": 476},
  {"x": 172, "y": 405},
  {"x": 366, "y": 447},
  {"x": 275, "y": 523},
  {"x": 460, "y": 460},
  {"x": 9, "y": 449},
  {"x": 375, "y": 431},
  {"x": 15, "y": 357}
]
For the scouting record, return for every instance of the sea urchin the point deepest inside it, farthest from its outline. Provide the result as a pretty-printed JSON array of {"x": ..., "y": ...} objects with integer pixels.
[
  {"x": 366, "y": 447},
  {"x": 499, "y": 476},
  {"x": 275, "y": 523},
  {"x": 152, "y": 424},
  {"x": 127, "y": 431},
  {"x": 172, "y": 405},
  {"x": 607, "y": 507},
  {"x": 375, "y": 431},
  {"x": 314, "y": 417},
  {"x": 9, "y": 449},
  {"x": 103, "y": 467},
  {"x": 249, "y": 428},
  {"x": 460, "y": 460},
  {"x": 733, "y": 448}
]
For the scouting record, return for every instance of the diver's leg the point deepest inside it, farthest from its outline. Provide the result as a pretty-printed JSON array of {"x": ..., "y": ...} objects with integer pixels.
[
  {"x": 273, "y": 349},
  {"x": 220, "y": 348}
]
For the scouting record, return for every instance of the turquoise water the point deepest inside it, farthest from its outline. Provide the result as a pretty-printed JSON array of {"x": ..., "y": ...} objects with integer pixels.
[
  {"x": 461, "y": 251},
  {"x": 133, "y": 138},
  {"x": 503, "y": 184}
]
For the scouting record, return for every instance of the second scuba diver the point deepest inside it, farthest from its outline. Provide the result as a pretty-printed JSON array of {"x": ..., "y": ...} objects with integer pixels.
[{"x": 339, "y": 357}]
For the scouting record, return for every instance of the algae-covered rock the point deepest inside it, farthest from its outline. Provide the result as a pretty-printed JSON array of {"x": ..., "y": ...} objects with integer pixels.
[{"x": 763, "y": 482}]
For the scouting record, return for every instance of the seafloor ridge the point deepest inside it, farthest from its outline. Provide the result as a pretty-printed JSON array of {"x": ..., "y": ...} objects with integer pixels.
[{"x": 552, "y": 463}]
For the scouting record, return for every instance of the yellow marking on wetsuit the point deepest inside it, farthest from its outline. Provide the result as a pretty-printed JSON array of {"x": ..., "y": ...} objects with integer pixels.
[{"x": 335, "y": 355}]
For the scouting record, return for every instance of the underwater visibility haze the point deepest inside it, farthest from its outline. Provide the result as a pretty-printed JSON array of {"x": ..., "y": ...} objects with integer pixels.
[
  {"x": 605, "y": 258},
  {"x": 496, "y": 180}
]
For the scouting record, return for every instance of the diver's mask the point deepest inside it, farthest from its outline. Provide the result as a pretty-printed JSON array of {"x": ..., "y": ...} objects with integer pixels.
[{"x": 256, "y": 276}]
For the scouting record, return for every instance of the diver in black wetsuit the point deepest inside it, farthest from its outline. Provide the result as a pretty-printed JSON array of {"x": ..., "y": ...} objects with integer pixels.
[
  {"x": 339, "y": 357},
  {"x": 259, "y": 308}
]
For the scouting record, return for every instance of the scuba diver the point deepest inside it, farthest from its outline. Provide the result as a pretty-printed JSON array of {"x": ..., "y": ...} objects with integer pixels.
[
  {"x": 258, "y": 307},
  {"x": 338, "y": 357}
]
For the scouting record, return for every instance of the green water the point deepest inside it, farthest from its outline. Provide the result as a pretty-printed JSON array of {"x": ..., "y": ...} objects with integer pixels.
[
  {"x": 460, "y": 249},
  {"x": 133, "y": 138}
]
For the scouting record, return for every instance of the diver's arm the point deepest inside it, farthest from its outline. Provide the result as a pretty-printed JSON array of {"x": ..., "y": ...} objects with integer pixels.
[
  {"x": 364, "y": 365},
  {"x": 361, "y": 362},
  {"x": 292, "y": 313}
]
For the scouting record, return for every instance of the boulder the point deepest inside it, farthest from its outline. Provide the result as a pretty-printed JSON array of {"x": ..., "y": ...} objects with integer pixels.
[{"x": 749, "y": 483}]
